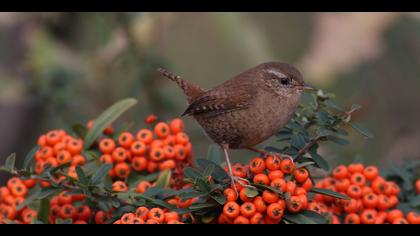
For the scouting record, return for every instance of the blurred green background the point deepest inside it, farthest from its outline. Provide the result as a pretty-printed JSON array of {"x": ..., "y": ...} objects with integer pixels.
[{"x": 57, "y": 69}]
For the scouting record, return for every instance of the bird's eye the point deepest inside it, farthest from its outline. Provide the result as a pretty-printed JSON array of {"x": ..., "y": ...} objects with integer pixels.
[{"x": 284, "y": 81}]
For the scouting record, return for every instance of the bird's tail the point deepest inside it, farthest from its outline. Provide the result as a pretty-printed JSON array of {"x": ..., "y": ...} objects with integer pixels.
[{"x": 191, "y": 90}]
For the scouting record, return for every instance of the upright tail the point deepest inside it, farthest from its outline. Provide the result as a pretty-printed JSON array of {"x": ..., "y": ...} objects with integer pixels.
[{"x": 191, "y": 90}]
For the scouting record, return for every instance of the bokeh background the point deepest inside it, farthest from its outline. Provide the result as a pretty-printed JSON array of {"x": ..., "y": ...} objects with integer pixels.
[{"x": 57, "y": 69}]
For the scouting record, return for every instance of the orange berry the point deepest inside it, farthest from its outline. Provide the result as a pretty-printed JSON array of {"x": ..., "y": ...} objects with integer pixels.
[
  {"x": 275, "y": 174},
  {"x": 150, "y": 119},
  {"x": 180, "y": 153},
  {"x": 122, "y": 170},
  {"x": 169, "y": 152},
  {"x": 394, "y": 214},
  {"x": 167, "y": 165},
  {"x": 231, "y": 209},
  {"x": 354, "y": 191},
  {"x": 119, "y": 186},
  {"x": 142, "y": 213},
  {"x": 107, "y": 146},
  {"x": 352, "y": 218},
  {"x": 248, "y": 209},
  {"x": 340, "y": 172},
  {"x": 106, "y": 159},
  {"x": 58, "y": 147},
  {"x": 413, "y": 218},
  {"x": 78, "y": 160},
  {"x": 182, "y": 138},
  {"x": 139, "y": 163},
  {"x": 176, "y": 126},
  {"x": 295, "y": 205},
  {"x": 260, "y": 205},
  {"x": 261, "y": 179},
  {"x": 52, "y": 138},
  {"x": 301, "y": 175},
  {"x": 119, "y": 154},
  {"x": 241, "y": 220},
  {"x": 368, "y": 216},
  {"x": 162, "y": 130},
  {"x": 125, "y": 139},
  {"x": 279, "y": 184},
  {"x": 272, "y": 163},
  {"x": 28, "y": 215},
  {"x": 143, "y": 186},
  {"x": 275, "y": 211},
  {"x": 371, "y": 172},
  {"x": 287, "y": 166},
  {"x": 400, "y": 221},
  {"x": 356, "y": 168},
  {"x": 42, "y": 140},
  {"x": 257, "y": 165},
  {"x": 152, "y": 166},
  {"x": 145, "y": 136},
  {"x": 358, "y": 179},
  {"x": 46, "y": 152},
  {"x": 75, "y": 146},
  {"x": 19, "y": 190},
  {"x": 171, "y": 216},
  {"x": 157, "y": 214},
  {"x": 243, "y": 196},
  {"x": 230, "y": 195},
  {"x": 257, "y": 218},
  {"x": 342, "y": 185},
  {"x": 370, "y": 200},
  {"x": 157, "y": 154},
  {"x": 270, "y": 197}
]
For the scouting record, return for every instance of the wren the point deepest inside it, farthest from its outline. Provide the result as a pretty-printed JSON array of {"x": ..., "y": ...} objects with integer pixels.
[{"x": 246, "y": 109}]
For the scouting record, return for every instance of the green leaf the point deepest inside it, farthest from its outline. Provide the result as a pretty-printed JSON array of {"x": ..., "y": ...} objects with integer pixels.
[
  {"x": 209, "y": 170},
  {"x": 32, "y": 196},
  {"x": 106, "y": 118},
  {"x": 298, "y": 218},
  {"x": 81, "y": 175},
  {"x": 30, "y": 158},
  {"x": 338, "y": 140},
  {"x": 251, "y": 193},
  {"x": 100, "y": 174},
  {"x": 191, "y": 173},
  {"x": 10, "y": 162},
  {"x": 333, "y": 105},
  {"x": 44, "y": 211},
  {"x": 46, "y": 192},
  {"x": 320, "y": 161},
  {"x": 203, "y": 185},
  {"x": 214, "y": 154},
  {"x": 164, "y": 179},
  {"x": 262, "y": 186},
  {"x": 219, "y": 198},
  {"x": 361, "y": 130},
  {"x": 304, "y": 164},
  {"x": 329, "y": 193},
  {"x": 153, "y": 191},
  {"x": 219, "y": 174},
  {"x": 80, "y": 130}
]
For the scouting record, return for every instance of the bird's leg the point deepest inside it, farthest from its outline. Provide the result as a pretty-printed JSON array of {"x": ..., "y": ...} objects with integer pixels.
[
  {"x": 233, "y": 178},
  {"x": 262, "y": 152}
]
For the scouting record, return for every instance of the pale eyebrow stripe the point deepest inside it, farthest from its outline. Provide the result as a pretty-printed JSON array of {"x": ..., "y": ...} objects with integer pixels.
[{"x": 277, "y": 73}]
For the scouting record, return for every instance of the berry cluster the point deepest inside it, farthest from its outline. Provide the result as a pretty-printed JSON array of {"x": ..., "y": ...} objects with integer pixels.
[
  {"x": 268, "y": 207},
  {"x": 12, "y": 195},
  {"x": 166, "y": 146},
  {"x": 143, "y": 215},
  {"x": 373, "y": 199},
  {"x": 58, "y": 148}
]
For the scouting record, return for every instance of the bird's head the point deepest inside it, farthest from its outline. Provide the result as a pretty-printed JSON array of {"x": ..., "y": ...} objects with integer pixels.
[{"x": 282, "y": 78}]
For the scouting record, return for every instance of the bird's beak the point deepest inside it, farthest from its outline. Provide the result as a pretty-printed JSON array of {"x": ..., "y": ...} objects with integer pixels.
[{"x": 307, "y": 87}]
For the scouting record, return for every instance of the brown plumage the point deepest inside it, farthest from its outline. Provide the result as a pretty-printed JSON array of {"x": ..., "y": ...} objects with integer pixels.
[{"x": 247, "y": 109}]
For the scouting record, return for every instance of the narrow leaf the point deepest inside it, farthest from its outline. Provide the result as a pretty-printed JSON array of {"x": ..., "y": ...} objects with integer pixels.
[
  {"x": 320, "y": 161},
  {"x": 106, "y": 118},
  {"x": 361, "y": 130},
  {"x": 100, "y": 174},
  {"x": 82, "y": 177},
  {"x": 164, "y": 179},
  {"x": 10, "y": 162},
  {"x": 30, "y": 158},
  {"x": 329, "y": 193}
]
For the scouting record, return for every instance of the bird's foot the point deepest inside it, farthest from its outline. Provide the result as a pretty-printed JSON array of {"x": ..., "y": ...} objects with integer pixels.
[{"x": 242, "y": 182}]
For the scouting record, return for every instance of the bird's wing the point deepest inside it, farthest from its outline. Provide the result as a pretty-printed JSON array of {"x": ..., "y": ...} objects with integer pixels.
[{"x": 215, "y": 103}]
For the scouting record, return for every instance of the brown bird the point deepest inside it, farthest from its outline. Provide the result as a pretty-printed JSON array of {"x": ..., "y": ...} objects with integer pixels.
[{"x": 247, "y": 109}]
